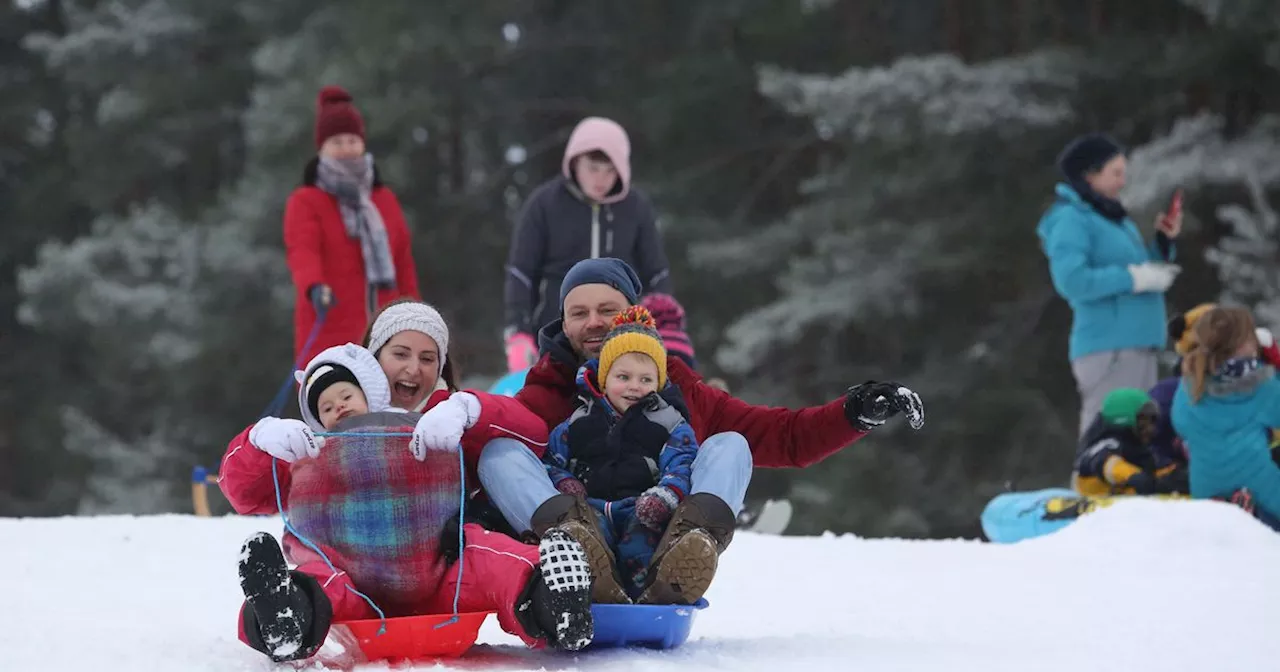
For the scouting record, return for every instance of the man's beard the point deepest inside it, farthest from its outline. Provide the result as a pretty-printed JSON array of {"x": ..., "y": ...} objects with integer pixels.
[{"x": 583, "y": 349}]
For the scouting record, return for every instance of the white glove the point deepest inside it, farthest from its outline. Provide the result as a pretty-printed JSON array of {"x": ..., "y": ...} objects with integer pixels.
[
  {"x": 441, "y": 428},
  {"x": 1265, "y": 338},
  {"x": 285, "y": 439},
  {"x": 1153, "y": 277}
]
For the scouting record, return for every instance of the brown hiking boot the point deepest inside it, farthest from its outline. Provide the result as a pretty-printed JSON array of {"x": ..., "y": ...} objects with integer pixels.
[
  {"x": 576, "y": 517},
  {"x": 686, "y": 559}
]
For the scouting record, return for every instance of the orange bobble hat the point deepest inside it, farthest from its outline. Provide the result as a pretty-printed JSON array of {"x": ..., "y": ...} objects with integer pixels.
[
  {"x": 335, "y": 114},
  {"x": 633, "y": 330}
]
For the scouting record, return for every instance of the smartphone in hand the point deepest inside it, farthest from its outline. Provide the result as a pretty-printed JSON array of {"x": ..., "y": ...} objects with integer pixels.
[{"x": 1172, "y": 213}]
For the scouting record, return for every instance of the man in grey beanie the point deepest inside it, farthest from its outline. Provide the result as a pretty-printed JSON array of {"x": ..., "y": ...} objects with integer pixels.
[{"x": 733, "y": 437}]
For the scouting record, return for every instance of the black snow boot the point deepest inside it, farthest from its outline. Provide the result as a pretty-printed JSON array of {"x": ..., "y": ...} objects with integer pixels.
[
  {"x": 287, "y": 615},
  {"x": 576, "y": 517},
  {"x": 556, "y": 603}
]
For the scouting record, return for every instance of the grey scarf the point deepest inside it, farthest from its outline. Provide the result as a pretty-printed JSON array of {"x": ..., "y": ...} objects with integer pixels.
[{"x": 351, "y": 182}]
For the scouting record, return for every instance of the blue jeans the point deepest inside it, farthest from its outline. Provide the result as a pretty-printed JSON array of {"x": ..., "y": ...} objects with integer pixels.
[
  {"x": 723, "y": 468},
  {"x": 516, "y": 481}
]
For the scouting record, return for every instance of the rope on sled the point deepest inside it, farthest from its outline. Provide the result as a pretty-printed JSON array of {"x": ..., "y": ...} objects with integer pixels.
[{"x": 462, "y": 502}]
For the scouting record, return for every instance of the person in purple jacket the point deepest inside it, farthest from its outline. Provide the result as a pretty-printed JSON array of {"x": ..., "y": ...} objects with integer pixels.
[{"x": 1166, "y": 445}]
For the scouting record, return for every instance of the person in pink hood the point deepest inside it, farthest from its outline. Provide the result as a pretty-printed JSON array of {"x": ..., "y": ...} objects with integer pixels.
[{"x": 590, "y": 210}]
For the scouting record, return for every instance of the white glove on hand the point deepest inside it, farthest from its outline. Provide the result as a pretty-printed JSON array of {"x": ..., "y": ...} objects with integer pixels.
[
  {"x": 1153, "y": 277},
  {"x": 441, "y": 428},
  {"x": 1265, "y": 338},
  {"x": 285, "y": 439}
]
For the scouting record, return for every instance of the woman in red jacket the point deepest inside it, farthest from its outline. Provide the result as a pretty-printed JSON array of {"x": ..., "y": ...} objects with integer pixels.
[
  {"x": 410, "y": 342},
  {"x": 345, "y": 237}
]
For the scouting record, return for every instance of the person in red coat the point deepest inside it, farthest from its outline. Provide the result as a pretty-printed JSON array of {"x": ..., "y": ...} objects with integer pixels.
[
  {"x": 733, "y": 436},
  {"x": 409, "y": 341},
  {"x": 346, "y": 242}
]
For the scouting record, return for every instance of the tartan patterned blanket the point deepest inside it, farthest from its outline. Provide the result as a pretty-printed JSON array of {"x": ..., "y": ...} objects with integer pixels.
[{"x": 376, "y": 512}]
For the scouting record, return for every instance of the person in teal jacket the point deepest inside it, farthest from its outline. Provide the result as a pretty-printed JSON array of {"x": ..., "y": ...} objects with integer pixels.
[
  {"x": 1112, "y": 279},
  {"x": 1226, "y": 401}
]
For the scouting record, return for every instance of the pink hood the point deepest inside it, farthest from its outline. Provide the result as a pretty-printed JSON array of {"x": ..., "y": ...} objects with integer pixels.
[{"x": 605, "y": 135}]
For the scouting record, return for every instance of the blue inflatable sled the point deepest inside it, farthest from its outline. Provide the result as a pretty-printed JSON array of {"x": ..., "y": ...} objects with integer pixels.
[
  {"x": 509, "y": 384},
  {"x": 643, "y": 625},
  {"x": 1014, "y": 516}
]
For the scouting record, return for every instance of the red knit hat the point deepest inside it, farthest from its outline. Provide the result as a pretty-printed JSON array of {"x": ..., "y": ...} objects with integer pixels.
[{"x": 335, "y": 115}]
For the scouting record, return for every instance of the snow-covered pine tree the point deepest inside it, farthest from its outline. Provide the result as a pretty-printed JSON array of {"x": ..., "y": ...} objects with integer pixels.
[
  {"x": 136, "y": 307},
  {"x": 911, "y": 197},
  {"x": 138, "y": 304},
  {"x": 1237, "y": 167},
  {"x": 1243, "y": 172}
]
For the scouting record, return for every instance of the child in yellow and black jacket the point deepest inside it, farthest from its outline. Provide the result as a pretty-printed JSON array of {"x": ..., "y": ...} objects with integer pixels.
[{"x": 1115, "y": 455}]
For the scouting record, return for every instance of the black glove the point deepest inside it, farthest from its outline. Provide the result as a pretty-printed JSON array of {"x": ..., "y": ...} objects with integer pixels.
[
  {"x": 1174, "y": 482},
  {"x": 1143, "y": 483},
  {"x": 870, "y": 404},
  {"x": 321, "y": 297}
]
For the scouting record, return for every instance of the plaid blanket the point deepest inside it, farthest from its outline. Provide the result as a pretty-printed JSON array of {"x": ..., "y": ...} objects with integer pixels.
[{"x": 376, "y": 512}]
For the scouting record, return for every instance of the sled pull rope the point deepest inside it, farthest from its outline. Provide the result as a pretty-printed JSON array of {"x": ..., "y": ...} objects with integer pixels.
[
  {"x": 288, "y": 526},
  {"x": 462, "y": 504},
  {"x": 282, "y": 396}
]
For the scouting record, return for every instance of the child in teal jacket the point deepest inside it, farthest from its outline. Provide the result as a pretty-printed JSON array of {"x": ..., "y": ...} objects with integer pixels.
[{"x": 1226, "y": 400}]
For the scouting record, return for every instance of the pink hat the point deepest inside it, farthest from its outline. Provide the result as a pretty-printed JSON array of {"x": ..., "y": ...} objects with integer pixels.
[{"x": 604, "y": 135}]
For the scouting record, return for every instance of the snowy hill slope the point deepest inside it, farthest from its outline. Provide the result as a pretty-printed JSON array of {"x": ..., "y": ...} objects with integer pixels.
[{"x": 1140, "y": 586}]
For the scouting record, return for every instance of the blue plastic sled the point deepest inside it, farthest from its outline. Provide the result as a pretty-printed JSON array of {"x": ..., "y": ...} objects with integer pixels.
[
  {"x": 509, "y": 384},
  {"x": 643, "y": 625},
  {"x": 1014, "y": 516}
]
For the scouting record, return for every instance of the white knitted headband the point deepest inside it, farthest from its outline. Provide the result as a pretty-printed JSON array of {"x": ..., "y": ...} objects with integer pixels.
[{"x": 410, "y": 316}]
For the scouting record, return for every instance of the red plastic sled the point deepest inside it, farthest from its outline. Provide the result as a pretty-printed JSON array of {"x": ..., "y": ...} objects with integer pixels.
[{"x": 412, "y": 637}]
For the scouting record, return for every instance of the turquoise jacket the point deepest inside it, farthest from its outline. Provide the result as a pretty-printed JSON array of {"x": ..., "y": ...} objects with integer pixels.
[
  {"x": 1089, "y": 256},
  {"x": 1228, "y": 441}
]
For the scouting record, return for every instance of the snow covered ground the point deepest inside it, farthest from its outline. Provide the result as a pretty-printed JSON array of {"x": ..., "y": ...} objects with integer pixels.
[{"x": 1140, "y": 586}]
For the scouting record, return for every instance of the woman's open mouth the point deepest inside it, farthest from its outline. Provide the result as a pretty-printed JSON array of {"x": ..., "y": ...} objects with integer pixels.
[{"x": 405, "y": 389}]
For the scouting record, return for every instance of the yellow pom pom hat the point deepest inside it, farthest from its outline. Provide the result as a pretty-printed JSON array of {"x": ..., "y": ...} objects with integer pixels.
[{"x": 633, "y": 330}]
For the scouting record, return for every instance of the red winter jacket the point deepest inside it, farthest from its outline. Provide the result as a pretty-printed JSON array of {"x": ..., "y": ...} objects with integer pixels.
[
  {"x": 245, "y": 473},
  {"x": 779, "y": 437},
  {"x": 318, "y": 250}
]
